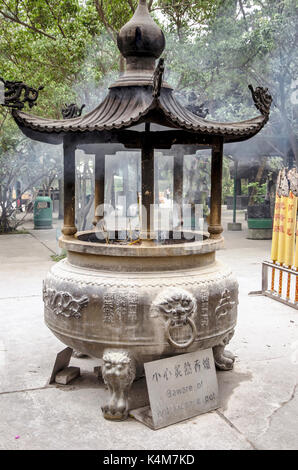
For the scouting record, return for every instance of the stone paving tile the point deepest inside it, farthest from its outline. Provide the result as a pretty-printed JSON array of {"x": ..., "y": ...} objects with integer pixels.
[
  {"x": 71, "y": 419},
  {"x": 259, "y": 406}
]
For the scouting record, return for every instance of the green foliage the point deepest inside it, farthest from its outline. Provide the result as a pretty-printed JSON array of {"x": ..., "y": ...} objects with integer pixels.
[
  {"x": 114, "y": 14},
  {"x": 259, "y": 192},
  {"x": 236, "y": 46},
  {"x": 227, "y": 181},
  {"x": 44, "y": 42},
  {"x": 57, "y": 258},
  {"x": 183, "y": 16},
  {"x": 214, "y": 47},
  {"x": 50, "y": 49}
]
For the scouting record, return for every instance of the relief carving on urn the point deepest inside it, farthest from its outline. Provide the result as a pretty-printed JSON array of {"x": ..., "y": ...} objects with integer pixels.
[
  {"x": 179, "y": 309},
  {"x": 63, "y": 303}
]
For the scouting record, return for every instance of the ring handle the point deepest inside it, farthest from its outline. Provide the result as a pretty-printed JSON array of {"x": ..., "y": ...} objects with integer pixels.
[{"x": 187, "y": 343}]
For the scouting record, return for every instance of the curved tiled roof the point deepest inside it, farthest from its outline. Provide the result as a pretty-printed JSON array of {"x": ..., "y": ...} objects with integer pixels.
[
  {"x": 185, "y": 119},
  {"x": 127, "y": 106},
  {"x": 140, "y": 95}
]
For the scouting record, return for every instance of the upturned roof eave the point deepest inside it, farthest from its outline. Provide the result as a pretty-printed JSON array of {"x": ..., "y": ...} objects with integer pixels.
[{"x": 123, "y": 109}]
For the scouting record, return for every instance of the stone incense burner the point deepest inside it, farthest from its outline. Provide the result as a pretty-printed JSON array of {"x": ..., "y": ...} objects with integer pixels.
[
  {"x": 138, "y": 302},
  {"x": 131, "y": 305}
]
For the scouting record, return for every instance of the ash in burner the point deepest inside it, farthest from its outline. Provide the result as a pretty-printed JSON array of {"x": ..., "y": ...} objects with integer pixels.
[{"x": 121, "y": 238}]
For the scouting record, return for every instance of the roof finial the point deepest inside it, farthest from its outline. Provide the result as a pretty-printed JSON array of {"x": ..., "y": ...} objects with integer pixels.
[
  {"x": 141, "y": 36},
  {"x": 262, "y": 99},
  {"x": 142, "y": 8},
  {"x": 16, "y": 94}
]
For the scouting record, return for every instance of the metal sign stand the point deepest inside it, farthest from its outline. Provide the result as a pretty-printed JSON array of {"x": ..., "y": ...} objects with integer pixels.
[{"x": 273, "y": 294}]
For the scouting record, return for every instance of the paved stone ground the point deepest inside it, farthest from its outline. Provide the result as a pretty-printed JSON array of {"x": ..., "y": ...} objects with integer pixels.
[{"x": 259, "y": 398}]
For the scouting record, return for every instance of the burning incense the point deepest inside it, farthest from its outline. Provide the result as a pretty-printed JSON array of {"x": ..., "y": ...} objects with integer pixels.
[
  {"x": 281, "y": 239},
  {"x": 296, "y": 265},
  {"x": 275, "y": 235},
  {"x": 283, "y": 191},
  {"x": 290, "y": 236}
]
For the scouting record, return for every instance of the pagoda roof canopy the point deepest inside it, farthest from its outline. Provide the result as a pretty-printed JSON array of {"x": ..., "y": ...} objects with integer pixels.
[
  {"x": 125, "y": 107},
  {"x": 142, "y": 96}
]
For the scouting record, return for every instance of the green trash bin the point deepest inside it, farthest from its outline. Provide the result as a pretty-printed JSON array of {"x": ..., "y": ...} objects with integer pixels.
[{"x": 43, "y": 213}]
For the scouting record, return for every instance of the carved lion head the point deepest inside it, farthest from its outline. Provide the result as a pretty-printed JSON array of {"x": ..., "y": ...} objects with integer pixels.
[
  {"x": 118, "y": 364},
  {"x": 176, "y": 305}
]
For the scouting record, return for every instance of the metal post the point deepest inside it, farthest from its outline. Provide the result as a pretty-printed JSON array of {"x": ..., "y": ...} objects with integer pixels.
[
  {"x": 178, "y": 182},
  {"x": 235, "y": 191},
  {"x": 99, "y": 189},
  {"x": 215, "y": 228},
  {"x": 147, "y": 191},
  {"x": 61, "y": 198},
  {"x": 69, "y": 227},
  {"x": 264, "y": 277}
]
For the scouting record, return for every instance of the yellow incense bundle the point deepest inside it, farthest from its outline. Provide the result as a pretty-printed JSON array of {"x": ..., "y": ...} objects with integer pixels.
[
  {"x": 290, "y": 229},
  {"x": 296, "y": 264},
  {"x": 275, "y": 234},
  {"x": 282, "y": 230},
  {"x": 296, "y": 250}
]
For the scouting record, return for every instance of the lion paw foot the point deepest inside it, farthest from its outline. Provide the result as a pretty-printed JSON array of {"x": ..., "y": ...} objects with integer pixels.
[
  {"x": 115, "y": 412},
  {"x": 224, "y": 360},
  {"x": 118, "y": 372}
]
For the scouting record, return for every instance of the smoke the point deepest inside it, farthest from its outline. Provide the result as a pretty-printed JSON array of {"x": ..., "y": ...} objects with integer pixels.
[
  {"x": 212, "y": 63},
  {"x": 98, "y": 72},
  {"x": 218, "y": 64}
]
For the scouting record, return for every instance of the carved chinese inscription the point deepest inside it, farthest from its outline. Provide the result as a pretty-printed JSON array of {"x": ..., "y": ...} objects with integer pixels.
[
  {"x": 225, "y": 304},
  {"x": 204, "y": 317},
  {"x": 132, "y": 308},
  {"x": 120, "y": 308},
  {"x": 108, "y": 308}
]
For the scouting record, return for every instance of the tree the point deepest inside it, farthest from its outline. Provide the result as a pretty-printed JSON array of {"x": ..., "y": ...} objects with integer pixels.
[
  {"x": 215, "y": 48},
  {"x": 183, "y": 17},
  {"x": 241, "y": 42},
  {"x": 43, "y": 42},
  {"x": 26, "y": 166}
]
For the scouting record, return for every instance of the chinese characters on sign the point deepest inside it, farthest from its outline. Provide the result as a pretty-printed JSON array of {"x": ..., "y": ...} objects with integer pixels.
[
  {"x": 182, "y": 369},
  {"x": 181, "y": 387}
]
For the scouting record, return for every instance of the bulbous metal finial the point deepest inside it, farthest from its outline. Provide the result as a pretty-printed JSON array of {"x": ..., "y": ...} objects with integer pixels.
[
  {"x": 141, "y": 36},
  {"x": 141, "y": 42}
]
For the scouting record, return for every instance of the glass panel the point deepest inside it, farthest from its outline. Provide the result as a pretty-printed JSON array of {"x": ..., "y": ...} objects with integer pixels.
[
  {"x": 122, "y": 193},
  {"x": 182, "y": 191},
  {"x": 84, "y": 196},
  {"x": 181, "y": 186},
  {"x": 197, "y": 187}
]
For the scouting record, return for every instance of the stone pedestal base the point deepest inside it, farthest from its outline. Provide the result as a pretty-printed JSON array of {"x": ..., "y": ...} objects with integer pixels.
[
  {"x": 234, "y": 227},
  {"x": 260, "y": 234}
]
